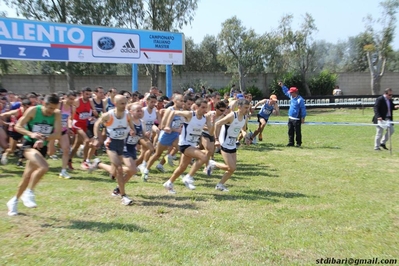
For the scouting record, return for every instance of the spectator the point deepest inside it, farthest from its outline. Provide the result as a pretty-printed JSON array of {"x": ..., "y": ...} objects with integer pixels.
[
  {"x": 383, "y": 114},
  {"x": 337, "y": 91},
  {"x": 296, "y": 114}
]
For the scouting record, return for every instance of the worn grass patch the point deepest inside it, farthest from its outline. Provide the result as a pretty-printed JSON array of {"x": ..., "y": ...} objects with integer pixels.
[{"x": 334, "y": 197}]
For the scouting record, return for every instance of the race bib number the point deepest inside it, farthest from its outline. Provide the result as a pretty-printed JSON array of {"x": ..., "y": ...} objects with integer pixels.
[
  {"x": 118, "y": 132},
  {"x": 84, "y": 116},
  {"x": 267, "y": 111},
  {"x": 193, "y": 138},
  {"x": 42, "y": 129},
  {"x": 231, "y": 141},
  {"x": 148, "y": 126},
  {"x": 64, "y": 124},
  {"x": 176, "y": 123},
  {"x": 132, "y": 140}
]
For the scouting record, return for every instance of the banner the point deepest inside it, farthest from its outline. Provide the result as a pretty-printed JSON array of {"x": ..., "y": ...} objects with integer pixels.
[{"x": 44, "y": 41}]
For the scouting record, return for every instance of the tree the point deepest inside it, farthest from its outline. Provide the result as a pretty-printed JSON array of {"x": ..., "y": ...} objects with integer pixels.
[
  {"x": 378, "y": 51},
  {"x": 298, "y": 47},
  {"x": 167, "y": 15},
  {"x": 90, "y": 12},
  {"x": 241, "y": 49}
]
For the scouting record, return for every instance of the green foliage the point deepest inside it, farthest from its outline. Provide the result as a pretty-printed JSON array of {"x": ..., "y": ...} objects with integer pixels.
[
  {"x": 290, "y": 79},
  {"x": 195, "y": 84},
  {"x": 323, "y": 84},
  {"x": 255, "y": 91},
  {"x": 223, "y": 90}
]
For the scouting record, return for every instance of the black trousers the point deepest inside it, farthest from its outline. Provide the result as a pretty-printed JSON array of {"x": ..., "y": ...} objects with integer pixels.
[{"x": 294, "y": 128}]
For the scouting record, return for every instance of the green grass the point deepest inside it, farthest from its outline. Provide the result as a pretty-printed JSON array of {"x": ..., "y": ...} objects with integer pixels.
[{"x": 334, "y": 197}]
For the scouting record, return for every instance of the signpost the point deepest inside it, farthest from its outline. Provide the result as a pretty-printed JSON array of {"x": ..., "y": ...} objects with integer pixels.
[{"x": 45, "y": 41}]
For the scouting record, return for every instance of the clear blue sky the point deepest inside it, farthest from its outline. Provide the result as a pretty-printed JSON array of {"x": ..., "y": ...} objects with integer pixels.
[{"x": 335, "y": 20}]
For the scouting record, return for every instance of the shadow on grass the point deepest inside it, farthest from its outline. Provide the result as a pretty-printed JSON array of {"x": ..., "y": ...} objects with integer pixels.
[
  {"x": 98, "y": 226},
  {"x": 256, "y": 195},
  {"x": 167, "y": 201},
  {"x": 99, "y": 178}
]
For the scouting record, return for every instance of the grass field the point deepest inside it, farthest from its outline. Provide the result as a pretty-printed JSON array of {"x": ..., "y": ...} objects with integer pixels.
[{"x": 334, "y": 197}]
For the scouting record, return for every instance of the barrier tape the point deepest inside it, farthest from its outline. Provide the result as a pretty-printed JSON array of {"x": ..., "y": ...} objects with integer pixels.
[{"x": 320, "y": 123}]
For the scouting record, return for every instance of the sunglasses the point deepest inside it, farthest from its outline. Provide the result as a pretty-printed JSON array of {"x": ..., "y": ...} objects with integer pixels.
[{"x": 222, "y": 110}]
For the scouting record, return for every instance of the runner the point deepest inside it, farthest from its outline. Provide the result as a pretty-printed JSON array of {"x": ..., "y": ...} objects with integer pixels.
[
  {"x": 233, "y": 124},
  {"x": 43, "y": 124},
  {"x": 66, "y": 108},
  {"x": 147, "y": 148},
  {"x": 118, "y": 124},
  {"x": 14, "y": 115},
  {"x": 188, "y": 139},
  {"x": 207, "y": 139},
  {"x": 269, "y": 106},
  {"x": 82, "y": 113},
  {"x": 168, "y": 140}
]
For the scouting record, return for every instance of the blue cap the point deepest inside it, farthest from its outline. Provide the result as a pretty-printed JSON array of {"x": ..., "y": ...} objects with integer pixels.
[{"x": 240, "y": 96}]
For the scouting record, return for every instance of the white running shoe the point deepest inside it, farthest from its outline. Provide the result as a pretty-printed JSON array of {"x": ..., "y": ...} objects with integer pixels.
[
  {"x": 189, "y": 182},
  {"x": 94, "y": 165},
  {"x": 144, "y": 175},
  {"x": 54, "y": 157},
  {"x": 169, "y": 159},
  {"x": 169, "y": 186},
  {"x": 28, "y": 198},
  {"x": 141, "y": 168},
  {"x": 126, "y": 201},
  {"x": 64, "y": 174},
  {"x": 4, "y": 159},
  {"x": 12, "y": 205},
  {"x": 221, "y": 187},
  {"x": 160, "y": 168},
  {"x": 210, "y": 167},
  {"x": 79, "y": 153}
]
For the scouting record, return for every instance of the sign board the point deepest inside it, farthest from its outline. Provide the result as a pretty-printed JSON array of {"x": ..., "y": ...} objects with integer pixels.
[{"x": 45, "y": 41}]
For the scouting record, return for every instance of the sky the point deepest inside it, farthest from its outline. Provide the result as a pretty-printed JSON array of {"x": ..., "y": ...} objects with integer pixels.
[{"x": 335, "y": 20}]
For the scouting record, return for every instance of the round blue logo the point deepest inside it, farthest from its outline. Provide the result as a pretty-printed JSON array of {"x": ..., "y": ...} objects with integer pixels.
[{"x": 106, "y": 43}]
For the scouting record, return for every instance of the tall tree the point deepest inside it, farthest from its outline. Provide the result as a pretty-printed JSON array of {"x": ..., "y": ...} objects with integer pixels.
[
  {"x": 167, "y": 15},
  {"x": 91, "y": 12},
  {"x": 298, "y": 47},
  {"x": 241, "y": 48},
  {"x": 378, "y": 51}
]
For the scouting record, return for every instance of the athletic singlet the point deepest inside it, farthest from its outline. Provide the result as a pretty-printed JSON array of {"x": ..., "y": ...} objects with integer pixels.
[
  {"x": 212, "y": 106},
  {"x": 177, "y": 120},
  {"x": 14, "y": 119},
  {"x": 213, "y": 113},
  {"x": 40, "y": 124},
  {"x": 149, "y": 119},
  {"x": 83, "y": 112},
  {"x": 266, "y": 110},
  {"x": 110, "y": 105},
  {"x": 133, "y": 140},
  {"x": 192, "y": 131},
  {"x": 229, "y": 133},
  {"x": 117, "y": 128},
  {"x": 99, "y": 109},
  {"x": 65, "y": 114}
]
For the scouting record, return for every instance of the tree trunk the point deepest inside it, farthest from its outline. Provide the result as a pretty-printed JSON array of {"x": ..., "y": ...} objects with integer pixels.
[
  {"x": 240, "y": 77},
  {"x": 305, "y": 84},
  {"x": 70, "y": 82},
  {"x": 375, "y": 84},
  {"x": 154, "y": 69}
]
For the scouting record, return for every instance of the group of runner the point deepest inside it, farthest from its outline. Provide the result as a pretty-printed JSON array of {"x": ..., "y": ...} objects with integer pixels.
[{"x": 125, "y": 123}]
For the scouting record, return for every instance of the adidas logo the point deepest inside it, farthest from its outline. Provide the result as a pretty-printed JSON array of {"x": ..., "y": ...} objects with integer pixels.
[
  {"x": 129, "y": 44},
  {"x": 129, "y": 47}
]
